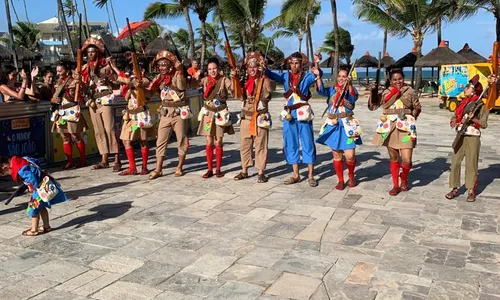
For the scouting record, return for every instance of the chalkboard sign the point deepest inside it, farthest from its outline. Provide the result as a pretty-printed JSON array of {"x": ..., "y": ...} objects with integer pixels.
[{"x": 23, "y": 137}]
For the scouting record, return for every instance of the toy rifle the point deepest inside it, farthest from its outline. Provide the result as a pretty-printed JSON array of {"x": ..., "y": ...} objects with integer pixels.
[
  {"x": 18, "y": 192},
  {"x": 238, "y": 90},
  {"x": 258, "y": 94},
  {"x": 342, "y": 93},
  {"x": 79, "y": 60},
  {"x": 140, "y": 96},
  {"x": 471, "y": 109},
  {"x": 493, "y": 93},
  {"x": 374, "y": 92}
]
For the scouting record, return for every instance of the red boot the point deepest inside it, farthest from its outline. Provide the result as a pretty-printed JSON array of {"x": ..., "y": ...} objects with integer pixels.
[
  {"x": 404, "y": 177},
  {"x": 132, "y": 169},
  {"x": 144, "y": 154},
  {"x": 219, "y": 152},
  {"x": 394, "y": 167},
  {"x": 339, "y": 170},
  {"x": 209, "y": 149},
  {"x": 81, "y": 149},
  {"x": 68, "y": 151},
  {"x": 350, "y": 166}
]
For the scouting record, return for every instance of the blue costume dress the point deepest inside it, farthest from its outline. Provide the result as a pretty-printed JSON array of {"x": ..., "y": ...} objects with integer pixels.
[
  {"x": 297, "y": 133},
  {"x": 26, "y": 169},
  {"x": 345, "y": 133}
]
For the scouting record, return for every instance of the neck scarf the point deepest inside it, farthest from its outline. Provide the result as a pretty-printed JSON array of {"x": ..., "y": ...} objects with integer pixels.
[
  {"x": 210, "y": 85},
  {"x": 459, "y": 112},
  {"x": 250, "y": 84}
]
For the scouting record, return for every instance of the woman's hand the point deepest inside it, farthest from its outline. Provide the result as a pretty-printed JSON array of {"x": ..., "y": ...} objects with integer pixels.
[
  {"x": 137, "y": 83},
  {"x": 34, "y": 72},
  {"x": 315, "y": 71},
  {"x": 23, "y": 75}
]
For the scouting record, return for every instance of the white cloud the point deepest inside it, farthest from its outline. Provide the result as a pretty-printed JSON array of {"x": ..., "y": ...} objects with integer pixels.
[
  {"x": 325, "y": 19},
  {"x": 173, "y": 28},
  {"x": 372, "y": 36},
  {"x": 275, "y": 2}
]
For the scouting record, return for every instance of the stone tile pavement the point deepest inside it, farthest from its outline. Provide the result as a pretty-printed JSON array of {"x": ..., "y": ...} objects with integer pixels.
[{"x": 189, "y": 238}]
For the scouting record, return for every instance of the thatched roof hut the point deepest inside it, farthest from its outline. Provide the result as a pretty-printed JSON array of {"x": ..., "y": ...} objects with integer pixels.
[
  {"x": 470, "y": 54},
  {"x": 387, "y": 60},
  {"x": 442, "y": 55},
  {"x": 5, "y": 53},
  {"x": 26, "y": 54},
  {"x": 111, "y": 43},
  {"x": 408, "y": 60},
  {"x": 157, "y": 45},
  {"x": 367, "y": 61},
  {"x": 329, "y": 62}
]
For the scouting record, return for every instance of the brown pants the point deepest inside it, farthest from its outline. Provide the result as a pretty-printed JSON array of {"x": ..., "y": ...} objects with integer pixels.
[
  {"x": 470, "y": 150},
  {"x": 104, "y": 128},
  {"x": 247, "y": 143},
  {"x": 167, "y": 125}
]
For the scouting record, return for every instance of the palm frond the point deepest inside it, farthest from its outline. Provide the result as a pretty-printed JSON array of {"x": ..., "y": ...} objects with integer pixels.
[{"x": 160, "y": 10}]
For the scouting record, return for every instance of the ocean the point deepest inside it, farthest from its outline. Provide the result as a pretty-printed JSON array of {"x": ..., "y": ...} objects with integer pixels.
[{"x": 361, "y": 72}]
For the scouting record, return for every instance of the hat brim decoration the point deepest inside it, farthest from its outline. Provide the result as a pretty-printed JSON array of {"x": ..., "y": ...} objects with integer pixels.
[
  {"x": 253, "y": 55},
  {"x": 304, "y": 59},
  {"x": 164, "y": 54},
  {"x": 93, "y": 42}
]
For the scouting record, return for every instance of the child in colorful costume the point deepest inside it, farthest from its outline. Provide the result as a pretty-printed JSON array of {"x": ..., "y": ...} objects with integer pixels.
[
  {"x": 255, "y": 118},
  {"x": 341, "y": 132},
  {"x": 214, "y": 116},
  {"x": 45, "y": 191},
  {"x": 297, "y": 116},
  {"x": 67, "y": 119},
  {"x": 396, "y": 128}
]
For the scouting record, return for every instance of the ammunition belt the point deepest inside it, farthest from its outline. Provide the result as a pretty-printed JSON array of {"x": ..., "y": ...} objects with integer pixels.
[
  {"x": 216, "y": 109},
  {"x": 340, "y": 115},
  {"x": 405, "y": 111},
  {"x": 102, "y": 94},
  {"x": 173, "y": 103}
]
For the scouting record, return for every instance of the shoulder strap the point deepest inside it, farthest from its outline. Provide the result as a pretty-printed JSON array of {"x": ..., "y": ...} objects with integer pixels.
[{"x": 216, "y": 89}]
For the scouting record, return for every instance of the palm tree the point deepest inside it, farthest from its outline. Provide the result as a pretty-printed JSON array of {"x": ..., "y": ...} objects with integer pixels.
[
  {"x": 213, "y": 39},
  {"x": 292, "y": 29},
  {"x": 70, "y": 11},
  {"x": 181, "y": 39},
  {"x": 244, "y": 17},
  {"x": 336, "y": 39},
  {"x": 87, "y": 27},
  {"x": 26, "y": 34},
  {"x": 345, "y": 46},
  {"x": 149, "y": 34},
  {"x": 492, "y": 6},
  {"x": 66, "y": 28},
  {"x": 9, "y": 25},
  {"x": 172, "y": 11},
  {"x": 202, "y": 8},
  {"x": 101, "y": 4}
]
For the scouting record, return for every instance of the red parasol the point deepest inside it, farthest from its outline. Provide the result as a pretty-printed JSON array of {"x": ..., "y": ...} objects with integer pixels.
[{"x": 136, "y": 27}]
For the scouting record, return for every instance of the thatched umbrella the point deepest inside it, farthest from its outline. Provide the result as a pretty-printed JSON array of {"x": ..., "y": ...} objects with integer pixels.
[
  {"x": 26, "y": 54},
  {"x": 5, "y": 53},
  {"x": 329, "y": 63},
  {"x": 156, "y": 46},
  {"x": 387, "y": 60},
  {"x": 408, "y": 61},
  {"x": 442, "y": 55},
  {"x": 367, "y": 61},
  {"x": 470, "y": 54}
]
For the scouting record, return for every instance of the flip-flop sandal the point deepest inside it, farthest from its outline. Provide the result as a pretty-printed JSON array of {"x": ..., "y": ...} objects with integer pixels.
[
  {"x": 262, "y": 178},
  {"x": 312, "y": 182},
  {"x": 241, "y": 176},
  {"x": 178, "y": 173},
  {"x": 155, "y": 174},
  {"x": 292, "y": 180},
  {"x": 43, "y": 229},
  {"x": 451, "y": 195},
  {"x": 471, "y": 197},
  {"x": 100, "y": 166},
  {"x": 117, "y": 167},
  {"x": 29, "y": 232}
]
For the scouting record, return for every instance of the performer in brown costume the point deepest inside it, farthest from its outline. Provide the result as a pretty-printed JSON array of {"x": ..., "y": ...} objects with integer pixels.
[
  {"x": 170, "y": 84},
  {"x": 470, "y": 144},
  {"x": 67, "y": 118},
  {"x": 137, "y": 122},
  {"x": 97, "y": 78},
  {"x": 255, "y": 118},
  {"x": 396, "y": 128},
  {"x": 214, "y": 116}
]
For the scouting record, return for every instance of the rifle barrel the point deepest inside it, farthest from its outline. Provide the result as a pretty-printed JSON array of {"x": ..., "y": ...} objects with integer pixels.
[{"x": 131, "y": 35}]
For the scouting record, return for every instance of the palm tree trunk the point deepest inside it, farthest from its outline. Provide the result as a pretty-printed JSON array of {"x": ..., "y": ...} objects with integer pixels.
[
  {"x": 14, "y": 9},
  {"x": 114, "y": 15},
  {"x": 418, "y": 39},
  {"x": 497, "y": 19},
  {"x": 309, "y": 35},
  {"x": 192, "y": 48},
  {"x": 203, "y": 42},
  {"x": 243, "y": 43},
  {"x": 384, "y": 47},
  {"x": 86, "y": 19},
  {"x": 66, "y": 29},
  {"x": 11, "y": 34},
  {"x": 26, "y": 11},
  {"x": 109, "y": 18},
  {"x": 438, "y": 31},
  {"x": 336, "y": 60},
  {"x": 301, "y": 36}
]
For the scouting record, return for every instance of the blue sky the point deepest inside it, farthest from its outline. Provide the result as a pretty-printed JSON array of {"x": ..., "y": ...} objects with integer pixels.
[{"x": 478, "y": 31}]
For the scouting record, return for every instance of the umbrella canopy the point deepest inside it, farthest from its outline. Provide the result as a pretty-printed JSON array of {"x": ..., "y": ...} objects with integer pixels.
[
  {"x": 156, "y": 46},
  {"x": 367, "y": 61},
  {"x": 135, "y": 27},
  {"x": 5, "y": 53},
  {"x": 470, "y": 54},
  {"x": 113, "y": 45},
  {"x": 408, "y": 60},
  {"x": 387, "y": 60},
  {"x": 441, "y": 55}
]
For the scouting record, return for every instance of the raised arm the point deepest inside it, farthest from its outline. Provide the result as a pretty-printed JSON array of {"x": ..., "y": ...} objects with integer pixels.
[{"x": 275, "y": 77}]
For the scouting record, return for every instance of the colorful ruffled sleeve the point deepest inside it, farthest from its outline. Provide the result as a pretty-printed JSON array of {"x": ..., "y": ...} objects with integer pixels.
[{"x": 30, "y": 175}]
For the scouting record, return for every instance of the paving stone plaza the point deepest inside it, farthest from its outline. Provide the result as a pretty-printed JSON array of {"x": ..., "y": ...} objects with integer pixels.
[{"x": 190, "y": 239}]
